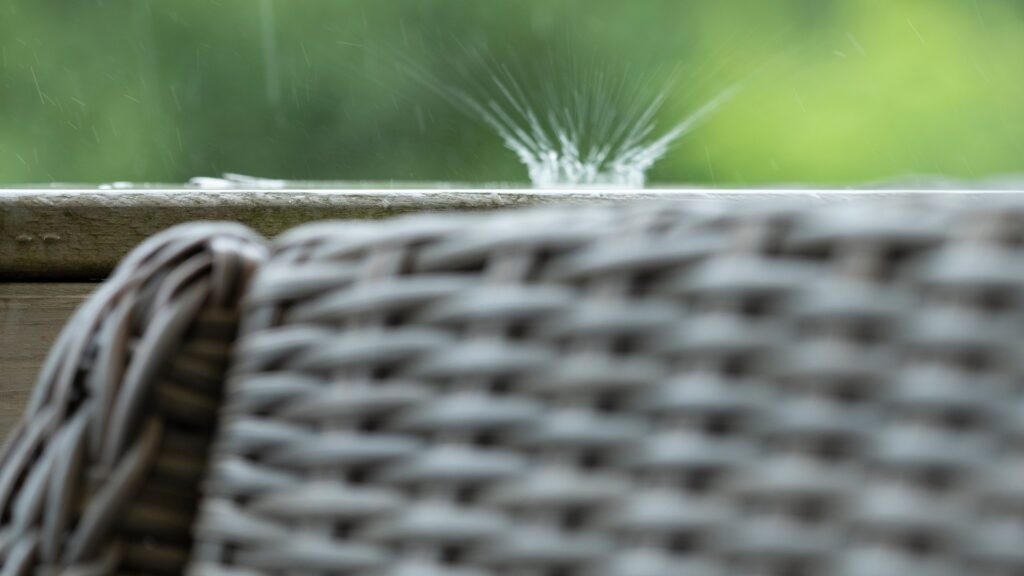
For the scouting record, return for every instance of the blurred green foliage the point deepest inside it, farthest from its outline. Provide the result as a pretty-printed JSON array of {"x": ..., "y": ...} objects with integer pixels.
[{"x": 838, "y": 91}]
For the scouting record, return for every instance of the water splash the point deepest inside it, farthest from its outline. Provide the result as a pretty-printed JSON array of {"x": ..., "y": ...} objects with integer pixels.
[{"x": 575, "y": 126}]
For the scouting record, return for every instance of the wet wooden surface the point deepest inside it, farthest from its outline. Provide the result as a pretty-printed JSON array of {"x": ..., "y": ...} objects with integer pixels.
[
  {"x": 31, "y": 316},
  {"x": 75, "y": 234}
]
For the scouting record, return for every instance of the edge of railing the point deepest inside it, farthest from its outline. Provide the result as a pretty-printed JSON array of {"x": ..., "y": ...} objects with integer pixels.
[{"x": 80, "y": 233}]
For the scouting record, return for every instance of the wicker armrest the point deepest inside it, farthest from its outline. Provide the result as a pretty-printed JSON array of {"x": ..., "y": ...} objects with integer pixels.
[
  {"x": 630, "y": 391},
  {"x": 101, "y": 474}
]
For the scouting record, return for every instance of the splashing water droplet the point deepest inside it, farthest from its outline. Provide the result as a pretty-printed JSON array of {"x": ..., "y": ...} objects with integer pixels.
[{"x": 577, "y": 126}]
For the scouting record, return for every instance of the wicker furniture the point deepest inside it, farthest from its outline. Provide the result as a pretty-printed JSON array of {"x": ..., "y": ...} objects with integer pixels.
[
  {"x": 634, "y": 390},
  {"x": 101, "y": 475},
  {"x": 688, "y": 388}
]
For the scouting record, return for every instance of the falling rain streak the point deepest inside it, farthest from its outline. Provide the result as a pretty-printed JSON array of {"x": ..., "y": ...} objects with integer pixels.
[{"x": 269, "y": 42}]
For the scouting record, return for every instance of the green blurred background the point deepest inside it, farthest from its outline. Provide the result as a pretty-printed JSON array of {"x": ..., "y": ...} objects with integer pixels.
[{"x": 836, "y": 92}]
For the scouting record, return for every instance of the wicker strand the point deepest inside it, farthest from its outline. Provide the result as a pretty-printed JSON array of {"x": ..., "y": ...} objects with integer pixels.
[{"x": 101, "y": 475}]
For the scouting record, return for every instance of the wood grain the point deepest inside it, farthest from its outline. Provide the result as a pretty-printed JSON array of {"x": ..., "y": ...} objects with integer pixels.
[
  {"x": 31, "y": 316},
  {"x": 80, "y": 234}
]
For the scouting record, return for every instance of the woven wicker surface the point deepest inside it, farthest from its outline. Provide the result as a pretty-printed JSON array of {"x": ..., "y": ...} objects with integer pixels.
[
  {"x": 101, "y": 475},
  {"x": 637, "y": 390}
]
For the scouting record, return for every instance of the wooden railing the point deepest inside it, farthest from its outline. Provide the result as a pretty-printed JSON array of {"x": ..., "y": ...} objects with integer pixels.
[{"x": 56, "y": 243}]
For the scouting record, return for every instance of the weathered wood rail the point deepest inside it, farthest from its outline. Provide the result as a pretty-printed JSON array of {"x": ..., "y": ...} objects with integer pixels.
[{"x": 55, "y": 244}]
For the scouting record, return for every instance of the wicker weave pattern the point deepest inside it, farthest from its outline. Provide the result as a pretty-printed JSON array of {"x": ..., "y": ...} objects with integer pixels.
[
  {"x": 630, "y": 391},
  {"x": 101, "y": 475}
]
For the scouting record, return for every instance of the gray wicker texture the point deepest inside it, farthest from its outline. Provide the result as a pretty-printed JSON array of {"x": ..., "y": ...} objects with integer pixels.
[
  {"x": 683, "y": 389},
  {"x": 101, "y": 476}
]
